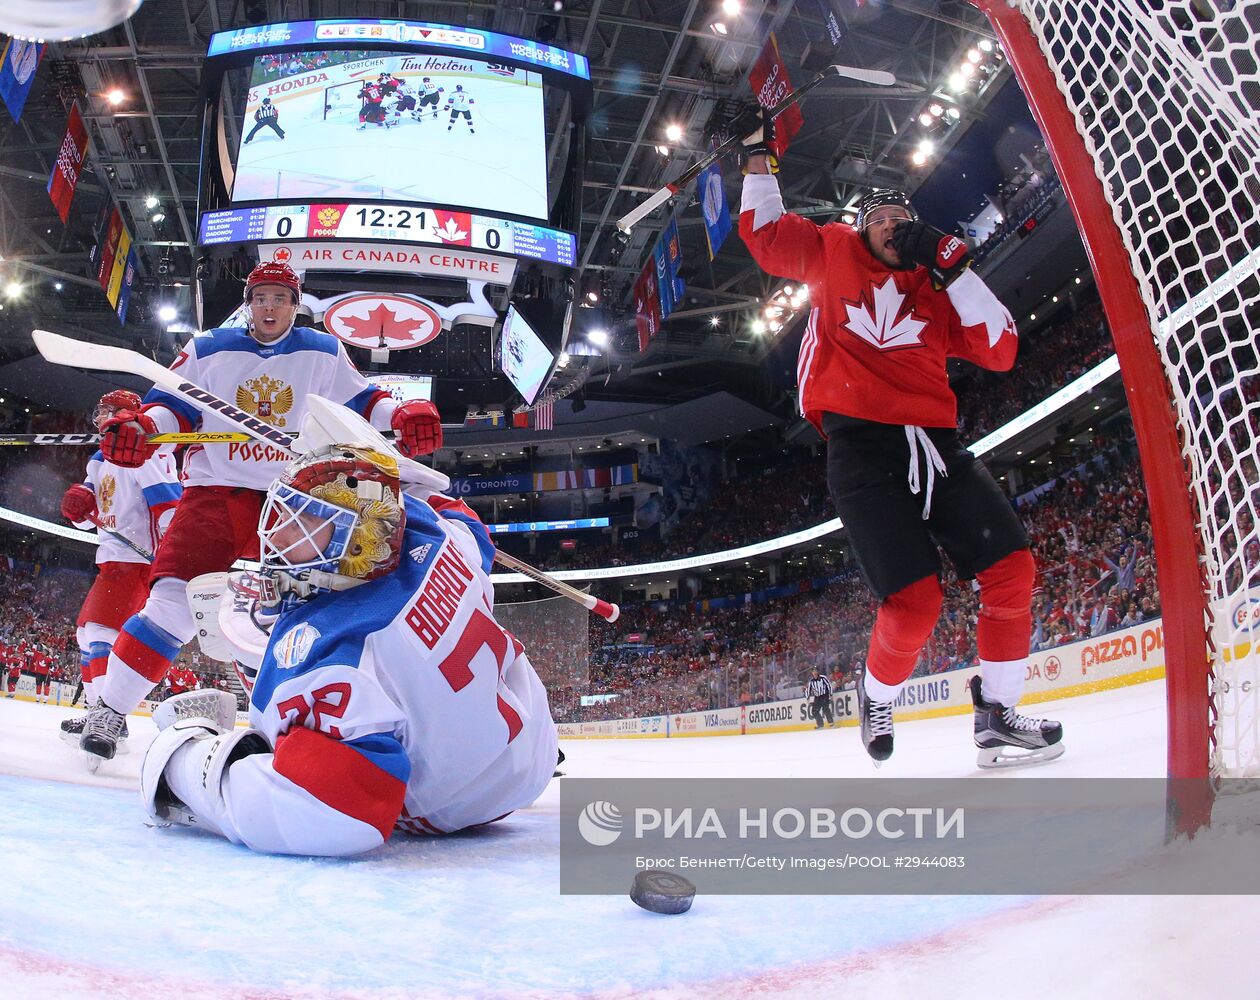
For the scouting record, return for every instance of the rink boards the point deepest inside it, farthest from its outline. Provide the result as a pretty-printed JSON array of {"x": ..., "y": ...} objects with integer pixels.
[{"x": 1128, "y": 656}]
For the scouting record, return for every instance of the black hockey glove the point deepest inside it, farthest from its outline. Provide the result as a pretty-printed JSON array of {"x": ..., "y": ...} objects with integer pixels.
[
  {"x": 945, "y": 256},
  {"x": 759, "y": 135}
]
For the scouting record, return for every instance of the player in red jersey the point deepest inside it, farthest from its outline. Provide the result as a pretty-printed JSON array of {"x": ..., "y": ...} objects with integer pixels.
[{"x": 893, "y": 299}]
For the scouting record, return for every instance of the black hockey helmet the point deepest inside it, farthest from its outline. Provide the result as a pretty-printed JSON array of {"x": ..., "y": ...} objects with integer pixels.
[
  {"x": 459, "y": 86},
  {"x": 266, "y": 100},
  {"x": 879, "y": 198}
]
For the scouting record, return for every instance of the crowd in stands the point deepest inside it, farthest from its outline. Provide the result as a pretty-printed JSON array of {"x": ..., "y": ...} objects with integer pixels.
[
  {"x": 285, "y": 64},
  {"x": 1090, "y": 534},
  {"x": 1019, "y": 197}
]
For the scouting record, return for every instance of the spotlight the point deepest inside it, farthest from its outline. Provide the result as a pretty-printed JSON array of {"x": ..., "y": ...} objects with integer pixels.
[
  {"x": 167, "y": 314},
  {"x": 732, "y": 7},
  {"x": 936, "y": 110},
  {"x": 718, "y": 28},
  {"x": 967, "y": 69},
  {"x": 715, "y": 321},
  {"x": 157, "y": 217},
  {"x": 592, "y": 296},
  {"x": 918, "y": 159},
  {"x": 759, "y": 326},
  {"x": 14, "y": 290},
  {"x": 673, "y": 132},
  {"x": 925, "y": 119},
  {"x": 957, "y": 83},
  {"x": 151, "y": 202},
  {"x": 927, "y": 147},
  {"x": 58, "y": 285},
  {"x": 986, "y": 45},
  {"x": 973, "y": 56},
  {"x": 598, "y": 337},
  {"x": 115, "y": 97},
  {"x": 663, "y": 150}
]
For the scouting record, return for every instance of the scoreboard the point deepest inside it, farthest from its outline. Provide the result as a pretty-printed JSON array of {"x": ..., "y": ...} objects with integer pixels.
[{"x": 409, "y": 223}]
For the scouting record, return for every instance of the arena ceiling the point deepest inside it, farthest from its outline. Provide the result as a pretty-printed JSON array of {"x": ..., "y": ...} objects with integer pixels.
[{"x": 653, "y": 64}]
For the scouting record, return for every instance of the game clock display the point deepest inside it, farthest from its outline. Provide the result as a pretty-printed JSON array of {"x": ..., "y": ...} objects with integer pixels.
[{"x": 422, "y": 224}]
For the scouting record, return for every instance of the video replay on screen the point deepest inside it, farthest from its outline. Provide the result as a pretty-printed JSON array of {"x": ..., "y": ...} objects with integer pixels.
[
  {"x": 523, "y": 356},
  {"x": 354, "y": 125}
]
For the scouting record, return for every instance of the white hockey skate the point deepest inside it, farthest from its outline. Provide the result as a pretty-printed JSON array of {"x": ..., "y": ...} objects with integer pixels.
[{"x": 1007, "y": 739}]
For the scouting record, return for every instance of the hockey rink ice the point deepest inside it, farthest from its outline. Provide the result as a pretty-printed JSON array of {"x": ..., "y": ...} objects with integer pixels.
[{"x": 95, "y": 904}]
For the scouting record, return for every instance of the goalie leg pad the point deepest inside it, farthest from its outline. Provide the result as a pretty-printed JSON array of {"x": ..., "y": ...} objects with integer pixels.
[{"x": 182, "y": 776}]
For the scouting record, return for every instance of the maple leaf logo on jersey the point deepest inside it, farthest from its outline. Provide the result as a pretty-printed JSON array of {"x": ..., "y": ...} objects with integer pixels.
[
  {"x": 105, "y": 493},
  {"x": 881, "y": 325},
  {"x": 266, "y": 398}
]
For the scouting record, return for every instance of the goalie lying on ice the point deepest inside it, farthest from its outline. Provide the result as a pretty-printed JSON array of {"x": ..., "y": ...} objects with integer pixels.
[{"x": 385, "y": 694}]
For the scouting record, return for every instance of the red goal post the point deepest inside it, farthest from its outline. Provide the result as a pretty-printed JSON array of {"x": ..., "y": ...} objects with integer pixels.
[{"x": 1149, "y": 111}]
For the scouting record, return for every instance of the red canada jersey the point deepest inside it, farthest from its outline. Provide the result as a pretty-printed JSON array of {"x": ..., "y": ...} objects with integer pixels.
[
  {"x": 372, "y": 93},
  {"x": 877, "y": 340}
]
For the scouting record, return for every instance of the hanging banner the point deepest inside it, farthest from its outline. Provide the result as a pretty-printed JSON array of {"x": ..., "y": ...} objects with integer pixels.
[
  {"x": 128, "y": 279},
  {"x": 647, "y": 305},
  {"x": 711, "y": 193},
  {"x": 771, "y": 83},
  {"x": 65, "y": 172},
  {"x": 18, "y": 63}
]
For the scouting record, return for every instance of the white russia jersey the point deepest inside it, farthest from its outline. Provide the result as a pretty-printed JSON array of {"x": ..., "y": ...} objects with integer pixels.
[
  {"x": 270, "y": 382},
  {"x": 415, "y": 657},
  {"x": 136, "y": 503},
  {"x": 459, "y": 101}
]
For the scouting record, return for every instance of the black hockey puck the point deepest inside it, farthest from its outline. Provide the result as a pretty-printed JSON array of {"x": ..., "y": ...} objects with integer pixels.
[{"x": 662, "y": 892}]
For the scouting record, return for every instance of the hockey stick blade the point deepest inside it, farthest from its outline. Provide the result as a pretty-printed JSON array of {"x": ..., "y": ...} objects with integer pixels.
[
  {"x": 875, "y": 77},
  {"x": 646, "y": 208}
]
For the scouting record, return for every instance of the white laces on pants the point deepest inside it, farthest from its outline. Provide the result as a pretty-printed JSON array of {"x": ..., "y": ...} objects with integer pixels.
[{"x": 918, "y": 438}]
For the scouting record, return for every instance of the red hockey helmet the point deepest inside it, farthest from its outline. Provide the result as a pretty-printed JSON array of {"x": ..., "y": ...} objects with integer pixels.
[
  {"x": 112, "y": 402},
  {"x": 273, "y": 272}
]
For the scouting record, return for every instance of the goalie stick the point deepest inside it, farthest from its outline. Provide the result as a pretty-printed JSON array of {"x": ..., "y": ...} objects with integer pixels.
[
  {"x": 742, "y": 127},
  {"x": 72, "y": 353},
  {"x": 91, "y": 440}
]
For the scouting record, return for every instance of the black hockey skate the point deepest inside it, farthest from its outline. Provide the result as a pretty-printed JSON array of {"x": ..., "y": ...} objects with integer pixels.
[
  {"x": 1008, "y": 739},
  {"x": 72, "y": 731},
  {"x": 877, "y": 724},
  {"x": 102, "y": 729}
]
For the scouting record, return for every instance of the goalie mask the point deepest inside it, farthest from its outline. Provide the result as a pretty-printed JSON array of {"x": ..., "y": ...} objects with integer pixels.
[{"x": 334, "y": 520}]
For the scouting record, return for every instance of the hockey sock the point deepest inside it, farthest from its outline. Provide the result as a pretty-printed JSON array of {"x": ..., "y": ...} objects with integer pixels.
[
  {"x": 149, "y": 641},
  {"x": 1005, "y": 626},
  {"x": 1004, "y": 629},
  {"x": 902, "y": 626}
]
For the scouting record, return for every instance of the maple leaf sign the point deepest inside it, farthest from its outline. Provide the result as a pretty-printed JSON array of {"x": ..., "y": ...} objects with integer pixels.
[
  {"x": 450, "y": 233},
  {"x": 886, "y": 329},
  {"x": 383, "y": 323}
]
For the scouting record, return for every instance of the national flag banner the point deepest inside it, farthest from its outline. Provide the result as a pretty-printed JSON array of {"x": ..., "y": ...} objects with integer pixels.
[
  {"x": 65, "y": 172},
  {"x": 129, "y": 278},
  {"x": 18, "y": 63},
  {"x": 520, "y": 419},
  {"x": 108, "y": 248},
  {"x": 545, "y": 417},
  {"x": 668, "y": 256},
  {"x": 711, "y": 193},
  {"x": 114, "y": 289},
  {"x": 771, "y": 83},
  {"x": 647, "y": 305},
  {"x": 484, "y": 418}
]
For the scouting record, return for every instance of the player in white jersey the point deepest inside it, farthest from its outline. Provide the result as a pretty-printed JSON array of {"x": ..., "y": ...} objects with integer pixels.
[
  {"x": 430, "y": 97},
  {"x": 459, "y": 103},
  {"x": 267, "y": 369},
  {"x": 137, "y": 504},
  {"x": 387, "y": 696}
]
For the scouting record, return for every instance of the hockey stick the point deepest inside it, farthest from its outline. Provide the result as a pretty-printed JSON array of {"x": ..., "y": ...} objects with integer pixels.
[
  {"x": 609, "y": 612},
  {"x": 88, "y": 440},
  {"x": 147, "y": 556},
  {"x": 102, "y": 357},
  {"x": 742, "y": 127}
]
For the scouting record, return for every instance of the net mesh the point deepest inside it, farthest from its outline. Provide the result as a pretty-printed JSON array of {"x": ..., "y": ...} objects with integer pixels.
[
  {"x": 1165, "y": 96},
  {"x": 554, "y": 632}
]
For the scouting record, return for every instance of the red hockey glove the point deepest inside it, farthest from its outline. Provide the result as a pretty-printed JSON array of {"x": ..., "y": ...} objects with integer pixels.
[
  {"x": 945, "y": 256},
  {"x": 124, "y": 439},
  {"x": 78, "y": 504},
  {"x": 419, "y": 428}
]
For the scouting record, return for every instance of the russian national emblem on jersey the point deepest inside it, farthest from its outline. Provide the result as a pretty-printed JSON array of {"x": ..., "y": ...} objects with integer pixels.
[
  {"x": 881, "y": 323},
  {"x": 266, "y": 398},
  {"x": 105, "y": 493}
]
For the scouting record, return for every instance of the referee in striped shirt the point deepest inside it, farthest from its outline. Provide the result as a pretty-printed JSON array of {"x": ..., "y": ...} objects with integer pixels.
[{"x": 818, "y": 690}]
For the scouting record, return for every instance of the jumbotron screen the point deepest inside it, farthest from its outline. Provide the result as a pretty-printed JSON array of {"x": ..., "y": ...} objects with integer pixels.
[{"x": 346, "y": 125}]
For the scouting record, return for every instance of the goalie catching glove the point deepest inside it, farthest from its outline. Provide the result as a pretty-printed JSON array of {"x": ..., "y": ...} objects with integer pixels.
[
  {"x": 419, "y": 428},
  {"x": 945, "y": 256},
  {"x": 125, "y": 439}
]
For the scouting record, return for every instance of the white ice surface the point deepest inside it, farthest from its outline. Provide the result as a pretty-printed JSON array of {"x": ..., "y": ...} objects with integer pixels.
[{"x": 94, "y": 903}]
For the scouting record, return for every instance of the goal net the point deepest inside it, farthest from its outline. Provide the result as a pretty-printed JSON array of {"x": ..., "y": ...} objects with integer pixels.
[
  {"x": 555, "y": 633},
  {"x": 1150, "y": 109},
  {"x": 341, "y": 101}
]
